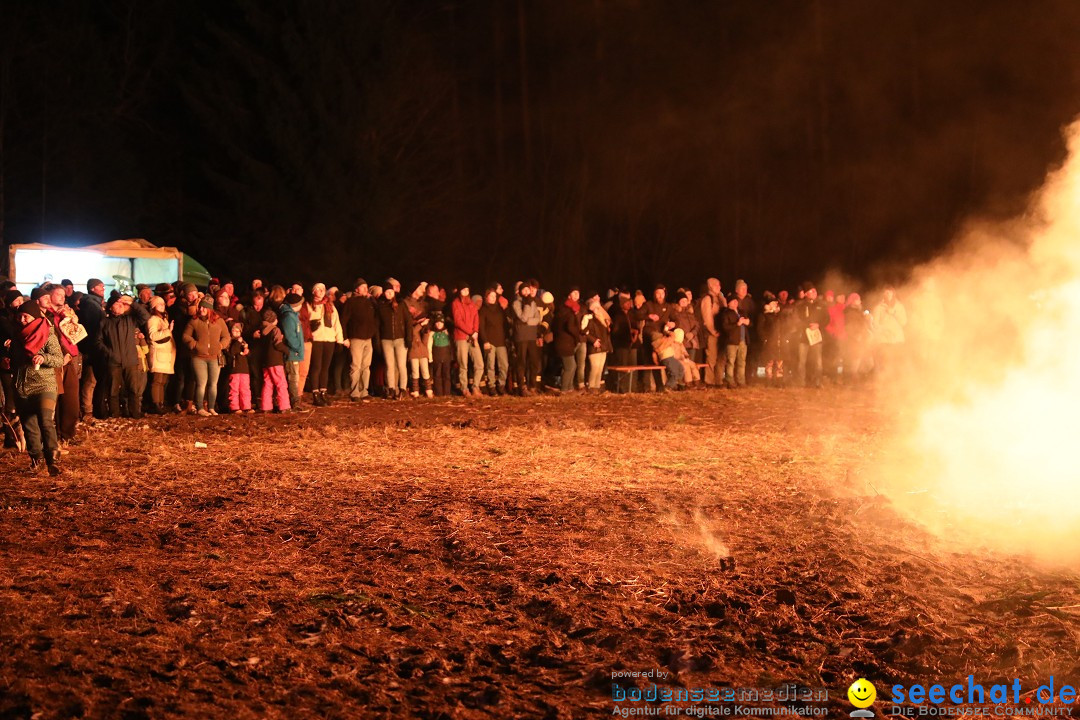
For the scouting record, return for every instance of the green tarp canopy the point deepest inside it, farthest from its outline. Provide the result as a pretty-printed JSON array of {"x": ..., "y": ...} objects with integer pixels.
[{"x": 194, "y": 272}]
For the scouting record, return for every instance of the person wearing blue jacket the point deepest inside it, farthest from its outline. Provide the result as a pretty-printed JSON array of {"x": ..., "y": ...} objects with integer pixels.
[{"x": 294, "y": 339}]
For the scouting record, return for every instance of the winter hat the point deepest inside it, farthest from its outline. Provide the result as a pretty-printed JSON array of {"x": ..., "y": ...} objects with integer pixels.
[
  {"x": 359, "y": 282},
  {"x": 293, "y": 299},
  {"x": 547, "y": 298},
  {"x": 678, "y": 335},
  {"x": 11, "y": 296},
  {"x": 163, "y": 288},
  {"x": 207, "y": 303},
  {"x": 157, "y": 303},
  {"x": 187, "y": 288},
  {"x": 93, "y": 283},
  {"x": 31, "y": 308}
]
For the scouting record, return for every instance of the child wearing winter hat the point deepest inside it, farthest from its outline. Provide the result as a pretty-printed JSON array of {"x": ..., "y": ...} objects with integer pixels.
[
  {"x": 239, "y": 375},
  {"x": 274, "y": 351},
  {"x": 442, "y": 355}
]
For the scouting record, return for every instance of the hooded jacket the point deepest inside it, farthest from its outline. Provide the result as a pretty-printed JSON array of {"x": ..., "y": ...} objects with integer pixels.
[
  {"x": 116, "y": 341},
  {"x": 292, "y": 332}
]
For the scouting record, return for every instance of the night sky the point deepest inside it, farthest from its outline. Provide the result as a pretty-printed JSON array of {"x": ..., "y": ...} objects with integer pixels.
[{"x": 596, "y": 142}]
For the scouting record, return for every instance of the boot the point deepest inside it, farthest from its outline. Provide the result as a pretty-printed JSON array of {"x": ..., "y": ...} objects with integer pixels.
[
  {"x": 428, "y": 392},
  {"x": 326, "y": 401},
  {"x": 415, "y": 387},
  {"x": 36, "y": 466},
  {"x": 52, "y": 462},
  {"x": 316, "y": 398}
]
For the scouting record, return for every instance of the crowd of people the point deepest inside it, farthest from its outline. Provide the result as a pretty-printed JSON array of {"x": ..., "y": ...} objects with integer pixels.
[{"x": 68, "y": 357}]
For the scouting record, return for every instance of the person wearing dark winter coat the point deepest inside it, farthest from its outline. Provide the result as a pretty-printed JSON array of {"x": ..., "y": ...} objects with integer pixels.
[
  {"x": 735, "y": 332},
  {"x": 180, "y": 314},
  {"x": 395, "y": 327},
  {"x": 812, "y": 316},
  {"x": 493, "y": 342},
  {"x": 857, "y": 328},
  {"x": 360, "y": 325},
  {"x": 251, "y": 317},
  {"x": 569, "y": 343},
  {"x": 91, "y": 312},
  {"x": 527, "y": 318},
  {"x": 117, "y": 345},
  {"x": 768, "y": 332},
  {"x": 238, "y": 362},
  {"x": 274, "y": 352}
]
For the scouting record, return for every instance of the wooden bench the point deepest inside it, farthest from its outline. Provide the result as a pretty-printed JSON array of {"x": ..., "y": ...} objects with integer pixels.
[{"x": 632, "y": 369}]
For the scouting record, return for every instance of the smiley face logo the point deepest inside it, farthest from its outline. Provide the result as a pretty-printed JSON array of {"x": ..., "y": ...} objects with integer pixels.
[{"x": 862, "y": 693}]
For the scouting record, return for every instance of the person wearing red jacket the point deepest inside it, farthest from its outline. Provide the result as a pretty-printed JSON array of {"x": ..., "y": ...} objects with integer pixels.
[{"x": 467, "y": 340}]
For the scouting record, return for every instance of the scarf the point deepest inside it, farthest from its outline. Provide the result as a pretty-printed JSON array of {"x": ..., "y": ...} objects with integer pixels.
[
  {"x": 575, "y": 306},
  {"x": 34, "y": 336},
  {"x": 65, "y": 342}
]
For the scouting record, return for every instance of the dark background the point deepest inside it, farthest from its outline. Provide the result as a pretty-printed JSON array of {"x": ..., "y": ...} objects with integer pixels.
[{"x": 586, "y": 141}]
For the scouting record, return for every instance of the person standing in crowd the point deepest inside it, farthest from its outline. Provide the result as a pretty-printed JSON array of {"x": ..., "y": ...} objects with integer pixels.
[
  {"x": 493, "y": 342},
  {"x": 527, "y": 319},
  {"x": 569, "y": 342},
  {"x": 68, "y": 332},
  {"x": 118, "y": 346},
  {"x": 183, "y": 380},
  {"x": 9, "y": 348},
  {"x": 812, "y": 317},
  {"x": 37, "y": 359},
  {"x": 419, "y": 355},
  {"x": 857, "y": 330},
  {"x": 735, "y": 330},
  {"x": 596, "y": 327},
  {"x": 832, "y": 351},
  {"x": 395, "y": 325},
  {"x": 273, "y": 352},
  {"x": 657, "y": 313},
  {"x": 359, "y": 325},
  {"x": 748, "y": 308},
  {"x": 162, "y": 353},
  {"x": 292, "y": 331},
  {"x": 768, "y": 331},
  {"x": 325, "y": 336},
  {"x": 237, "y": 356},
  {"x": 622, "y": 340},
  {"x": 890, "y": 319},
  {"x": 91, "y": 312},
  {"x": 467, "y": 341},
  {"x": 225, "y": 307},
  {"x": 442, "y": 355},
  {"x": 206, "y": 336},
  {"x": 251, "y": 317},
  {"x": 304, "y": 313}
]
